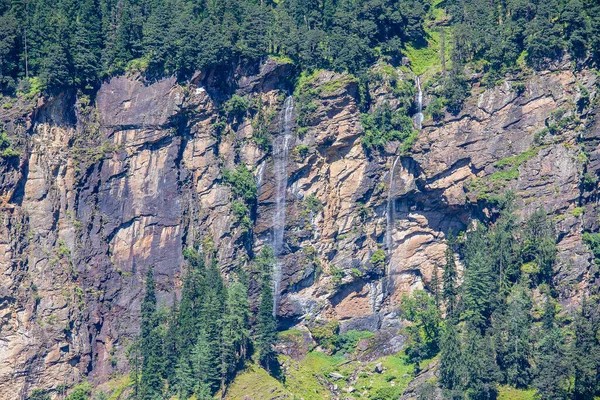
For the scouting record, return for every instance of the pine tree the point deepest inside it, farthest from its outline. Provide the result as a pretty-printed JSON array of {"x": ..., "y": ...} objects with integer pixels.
[
  {"x": 539, "y": 246},
  {"x": 87, "y": 43},
  {"x": 552, "y": 372},
  {"x": 479, "y": 364},
  {"x": 266, "y": 324},
  {"x": 184, "y": 381},
  {"x": 236, "y": 332},
  {"x": 449, "y": 278},
  {"x": 480, "y": 286},
  {"x": 211, "y": 337},
  {"x": 586, "y": 351},
  {"x": 192, "y": 300},
  {"x": 513, "y": 341},
  {"x": 171, "y": 350},
  {"x": 451, "y": 363},
  {"x": 435, "y": 285},
  {"x": 151, "y": 383}
]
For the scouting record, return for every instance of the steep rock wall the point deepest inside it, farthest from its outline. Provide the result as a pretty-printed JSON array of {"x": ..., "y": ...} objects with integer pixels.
[{"x": 107, "y": 187}]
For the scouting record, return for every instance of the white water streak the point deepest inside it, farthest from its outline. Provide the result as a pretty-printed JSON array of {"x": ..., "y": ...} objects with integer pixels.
[{"x": 280, "y": 161}]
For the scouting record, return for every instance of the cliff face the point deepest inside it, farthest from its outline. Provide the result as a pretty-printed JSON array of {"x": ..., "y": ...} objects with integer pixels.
[{"x": 107, "y": 187}]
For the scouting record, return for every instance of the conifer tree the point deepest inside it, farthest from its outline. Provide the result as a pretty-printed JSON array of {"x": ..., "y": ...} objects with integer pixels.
[
  {"x": 435, "y": 286},
  {"x": 171, "y": 350},
  {"x": 449, "y": 279},
  {"x": 552, "y": 373},
  {"x": 236, "y": 332},
  {"x": 480, "y": 286},
  {"x": 151, "y": 383},
  {"x": 87, "y": 43},
  {"x": 266, "y": 324},
  {"x": 586, "y": 351},
  {"x": 210, "y": 340},
  {"x": 451, "y": 364},
  {"x": 513, "y": 341}
]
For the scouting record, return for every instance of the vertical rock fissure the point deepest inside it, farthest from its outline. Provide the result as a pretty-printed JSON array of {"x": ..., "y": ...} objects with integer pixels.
[{"x": 280, "y": 161}]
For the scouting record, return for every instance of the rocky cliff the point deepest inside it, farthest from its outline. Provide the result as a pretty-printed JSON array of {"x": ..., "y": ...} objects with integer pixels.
[{"x": 110, "y": 184}]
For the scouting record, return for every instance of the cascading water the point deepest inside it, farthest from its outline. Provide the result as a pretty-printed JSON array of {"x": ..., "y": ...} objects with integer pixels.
[
  {"x": 419, "y": 100},
  {"x": 260, "y": 173},
  {"x": 390, "y": 208},
  {"x": 280, "y": 161},
  {"x": 390, "y": 217}
]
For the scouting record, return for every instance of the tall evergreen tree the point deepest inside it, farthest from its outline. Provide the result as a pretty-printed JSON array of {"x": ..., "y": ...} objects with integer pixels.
[
  {"x": 86, "y": 48},
  {"x": 236, "y": 331},
  {"x": 513, "y": 340},
  {"x": 480, "y": 286},
  {"x": 452, "y": 373},
  {"x": 552, "y": 373},
  {"x": 151, "y": 383},
  {"x": 266, "y": 325},
  {"x": 449, "y": 279},
  {"x": 586, "y": 351}
]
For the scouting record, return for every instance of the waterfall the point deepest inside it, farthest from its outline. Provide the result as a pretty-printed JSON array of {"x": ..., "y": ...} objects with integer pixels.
[
  {"x": 260, "y": 173},
  {"x": 280, "y": 160},
  {"x": 390, "y": 208},
  {"x": 390, "y": 211},
  {"x": 419, "y": 100}
]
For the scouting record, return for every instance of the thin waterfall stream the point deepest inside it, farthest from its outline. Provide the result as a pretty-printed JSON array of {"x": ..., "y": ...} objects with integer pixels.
[
  {"x": 419, "y": 101},
  {"x": 390, "y": 210},
  {"x": 280, "y": 161}
]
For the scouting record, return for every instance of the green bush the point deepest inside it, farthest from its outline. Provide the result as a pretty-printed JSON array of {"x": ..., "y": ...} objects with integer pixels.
[
  {"x": 38, "y": 394},
  {"x": 81, "y": 391},
  {"x": 242, "y": 182},
  {"x": 300, "y": 152},
  {"x": 5, "y": 150},
  {"x": 384, "y": 125},
  {"x": 593, "y": 242},
  {"x": 455, "y": 92},
  {"x": 312, "y": 204},
  {"x": 236, "y": 106},
  {"x": 378, "y": 259},
  {"x": 435, "y": 108}
]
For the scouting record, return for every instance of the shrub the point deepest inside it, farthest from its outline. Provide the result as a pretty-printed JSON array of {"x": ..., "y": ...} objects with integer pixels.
[
  {"x": 313, "y": 204},
  {"x": 242, "y": 182},
  {"x": 300, "y": 152},
  {"x": 385, "y": 125},
  {"x": 236, "y": 106},
  {"x": 378, "y": 259},
  {"x": 5, "y": 150},
  {"x": 435, "y": 108},
  {"x": 81, "y": 391},
  {"x": 38, "y": 394},
  {"x": 589, "y": 181},
  {"x": 593, "y": 242},
  {"x": 455, "y": 92}
]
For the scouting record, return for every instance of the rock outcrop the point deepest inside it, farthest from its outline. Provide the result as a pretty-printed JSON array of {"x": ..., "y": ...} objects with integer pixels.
[{"x": 107, "y": 187}]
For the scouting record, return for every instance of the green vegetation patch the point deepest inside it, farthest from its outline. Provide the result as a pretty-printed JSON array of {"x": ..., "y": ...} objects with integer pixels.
[
  {"x": 257, "y": 382},
  {"x": 509, "y": 393},
  {"x": 6, "y": 150},
  {"x": 384, "y": 125}
]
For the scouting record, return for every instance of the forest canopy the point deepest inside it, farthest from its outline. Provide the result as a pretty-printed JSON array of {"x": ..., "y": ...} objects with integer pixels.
[{"x": 77, "y": 43}]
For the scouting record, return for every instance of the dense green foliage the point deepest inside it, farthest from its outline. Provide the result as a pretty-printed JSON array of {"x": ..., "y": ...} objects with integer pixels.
[
  {"x": 497, "y": 33},
  {"x": 197, "y": 346},
  {"x": 68, "y": 42},
  {"x": 384, "y": 125},
  {"x": 500, "y": 325}
]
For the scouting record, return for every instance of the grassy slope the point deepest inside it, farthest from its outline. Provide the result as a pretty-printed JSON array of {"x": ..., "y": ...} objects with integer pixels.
[
  {"x": 308, "y": 379},
  {"x": 426, "y": 59}
]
